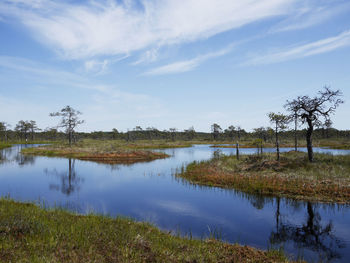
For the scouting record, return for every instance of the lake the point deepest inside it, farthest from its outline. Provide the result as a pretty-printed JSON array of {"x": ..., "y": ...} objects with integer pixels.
[{"x": 150, "y": 192}]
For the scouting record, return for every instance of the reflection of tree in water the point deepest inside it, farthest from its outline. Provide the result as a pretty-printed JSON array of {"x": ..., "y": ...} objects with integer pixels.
[
  {"x": 6, "y": 155},
  {"x": 2, "y": 157},
  {"x": 69, "y": 181},
  {"x": 22, "y": 159},
  {"x": 13, "y": 154},
  {"x": 258, "y": 201},
  {"x": 113, "y": 167},
  {"x": 311, "y": 234}
]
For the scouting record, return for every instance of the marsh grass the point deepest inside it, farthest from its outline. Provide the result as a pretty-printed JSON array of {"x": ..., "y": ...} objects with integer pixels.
[
  {"x": 4, "y": 145},
  {"x": 110, "y": 151},
  {"x": 106, "y": 145},
  {"x": 326, "y": 180},
  {"x": 333, "y": 143},
  {"x": 32, "y": 234}
]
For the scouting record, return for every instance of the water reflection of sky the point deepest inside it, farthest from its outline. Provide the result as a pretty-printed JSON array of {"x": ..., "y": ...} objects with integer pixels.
[{"x": 148, "y": 191}]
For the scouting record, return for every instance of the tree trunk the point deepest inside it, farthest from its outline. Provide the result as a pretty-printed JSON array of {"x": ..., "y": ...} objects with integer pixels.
[
  {"x": 70, "y": 175},
  {"x": 70, "y": 137},
  {"x": 295, "y": 134},
  {"x": 277, "y": 144},
  {"x": 309, "y": 141},
  {"x": 237, "y": 151},
  {"x": 310, "y": 220},
  {"x": 278, "y": 213}
]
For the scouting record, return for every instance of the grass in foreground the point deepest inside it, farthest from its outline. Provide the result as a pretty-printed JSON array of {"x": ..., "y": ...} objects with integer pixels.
[
  {"x": 325, "y": 180},
  {"x": 31, "y": 234},
  {"x": 111, "y": 151}
]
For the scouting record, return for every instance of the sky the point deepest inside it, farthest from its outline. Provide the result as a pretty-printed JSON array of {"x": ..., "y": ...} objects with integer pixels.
[{"x": 170, "y": 63}]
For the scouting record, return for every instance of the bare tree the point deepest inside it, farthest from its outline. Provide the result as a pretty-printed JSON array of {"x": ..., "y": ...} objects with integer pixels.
[
  {"x": 280, "y": 121},
  {"x": 239, "y": 130},
  {"x": 231, "y": 132},
  {"x": 173, "y": 133},
  {"x": 33, "y": 128},
  {"x": 190, "y": 132},
  {"x": 3, "y": 129},
  {"x": 294, "y": 115},
  {"x": 70, "y": 120},
  {"x": 23, "y": 127},
  {"x": 313, "y": 111},
  {"x": 216, "y": 130}
]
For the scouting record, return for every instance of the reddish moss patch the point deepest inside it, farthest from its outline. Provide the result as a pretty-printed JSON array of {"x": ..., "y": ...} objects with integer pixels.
[
  {"x": 122, "y": 156},
  {"x": 128, "y": 157}
]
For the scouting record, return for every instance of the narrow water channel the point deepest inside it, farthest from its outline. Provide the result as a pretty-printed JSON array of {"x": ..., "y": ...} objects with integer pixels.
[{"x": 150, "y": 192}]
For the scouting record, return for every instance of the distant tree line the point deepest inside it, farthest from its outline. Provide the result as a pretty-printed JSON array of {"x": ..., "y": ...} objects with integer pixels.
[
  {"x": 313, "y": 111},
  {"x": 22, "y": 132}
]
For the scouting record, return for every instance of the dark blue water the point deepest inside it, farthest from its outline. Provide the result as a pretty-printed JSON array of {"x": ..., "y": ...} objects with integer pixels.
[{"x": 150, "y": 192}]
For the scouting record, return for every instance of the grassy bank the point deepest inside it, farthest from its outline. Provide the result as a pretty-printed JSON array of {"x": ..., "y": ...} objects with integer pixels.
[
  {"x": 31, "y": 234},
  {"x": 329, "y": 143},
  {"x": 112, "y": 152},
  {"x": 4, "y": 145},
  {"x": 325, "y": 180}
]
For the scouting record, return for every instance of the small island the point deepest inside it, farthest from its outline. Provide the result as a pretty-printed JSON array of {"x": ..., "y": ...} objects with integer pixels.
[
  {"x": 324, "y": 180},
  {"x": 108, "y": 152}
]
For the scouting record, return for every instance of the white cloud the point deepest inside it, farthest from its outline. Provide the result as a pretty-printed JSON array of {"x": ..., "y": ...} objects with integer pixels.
[
  {"x": 96, "y": 66},
  {"x": 147, "y": 57},
  {"x": 177, "y": 67},
  {"x": 313, "y": 48},
  {"x": 100, "y": 66},
  {"x": 187, "y": 65},
  {"x": 310, "y": 14},
  {"x": 111, "y": 28}
]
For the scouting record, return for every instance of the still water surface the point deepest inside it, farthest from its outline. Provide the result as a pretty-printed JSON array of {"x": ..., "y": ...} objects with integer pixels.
[{"x": 150, "y": 192}]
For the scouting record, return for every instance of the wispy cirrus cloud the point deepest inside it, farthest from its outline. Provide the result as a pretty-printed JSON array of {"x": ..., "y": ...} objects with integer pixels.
[
  {"x": 100, "y": 66},
  {"x": 111, "y": 28},
  {"x": 187, "y": 65},
  {"x": 147, "y": 57},
  {"x": 301, "y": 51},
  {"x": 311, "y": 13}
]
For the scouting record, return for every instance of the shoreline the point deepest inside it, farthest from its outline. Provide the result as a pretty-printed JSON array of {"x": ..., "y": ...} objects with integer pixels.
[
  {"x": 55, "y": 235},
  {"x": 327, "y": 180},
  {"x": 5, "y": 145}
]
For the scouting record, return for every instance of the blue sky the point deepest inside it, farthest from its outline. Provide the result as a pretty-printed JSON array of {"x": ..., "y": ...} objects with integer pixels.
[{"x": 170, "y": 63}]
